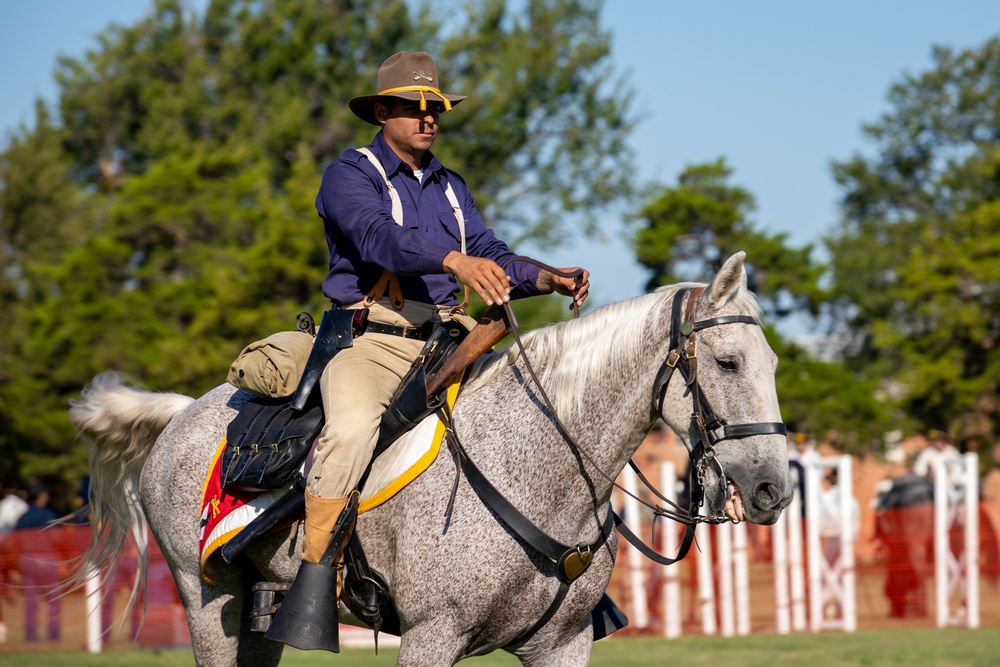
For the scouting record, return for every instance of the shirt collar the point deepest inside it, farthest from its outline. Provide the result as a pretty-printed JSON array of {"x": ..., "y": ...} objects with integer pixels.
[{"x": 393, "y": 164}]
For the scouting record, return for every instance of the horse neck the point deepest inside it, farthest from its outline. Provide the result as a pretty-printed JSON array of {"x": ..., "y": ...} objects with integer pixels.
[
  {"x": 608, "y": 400},
  {"x": 601, "y": 395}
]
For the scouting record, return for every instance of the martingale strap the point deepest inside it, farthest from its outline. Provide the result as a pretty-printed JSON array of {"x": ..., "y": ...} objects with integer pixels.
[
  {"x": 697, "y": 494},
  {"x": 571, "y": 562}
]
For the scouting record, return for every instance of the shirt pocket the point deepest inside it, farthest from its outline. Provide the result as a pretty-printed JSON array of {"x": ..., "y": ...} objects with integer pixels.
[{"x": 449, "y": 227}]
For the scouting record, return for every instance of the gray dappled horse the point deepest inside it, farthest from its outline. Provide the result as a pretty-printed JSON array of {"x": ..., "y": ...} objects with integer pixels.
[{"x": 465, "y": 585}]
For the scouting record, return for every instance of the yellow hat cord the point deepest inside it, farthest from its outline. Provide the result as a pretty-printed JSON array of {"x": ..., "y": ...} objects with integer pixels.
[{"x": 421, "y": 90}]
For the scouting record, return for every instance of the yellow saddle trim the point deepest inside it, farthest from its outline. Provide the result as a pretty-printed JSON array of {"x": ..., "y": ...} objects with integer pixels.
[
  {"x": 421, "y": 464},
  {"x": 235, "y": 518}
]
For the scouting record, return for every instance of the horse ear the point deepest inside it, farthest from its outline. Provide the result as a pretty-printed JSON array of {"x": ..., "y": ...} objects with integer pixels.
[{"x": 729, "y": 279}]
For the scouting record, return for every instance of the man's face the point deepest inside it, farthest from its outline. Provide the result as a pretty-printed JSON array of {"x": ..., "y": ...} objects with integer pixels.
[{"x": 406, "y": 128}]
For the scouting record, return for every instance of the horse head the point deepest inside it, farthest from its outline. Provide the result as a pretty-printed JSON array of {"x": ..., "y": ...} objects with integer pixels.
[{"x": 725, "y": 409}]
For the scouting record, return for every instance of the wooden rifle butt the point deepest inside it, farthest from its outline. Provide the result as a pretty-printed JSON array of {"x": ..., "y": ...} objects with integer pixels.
[{"x": 489, "y": 331}]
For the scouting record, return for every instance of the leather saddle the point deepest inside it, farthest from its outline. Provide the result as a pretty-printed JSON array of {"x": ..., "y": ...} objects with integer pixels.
[{"x": 268, "y": 443}]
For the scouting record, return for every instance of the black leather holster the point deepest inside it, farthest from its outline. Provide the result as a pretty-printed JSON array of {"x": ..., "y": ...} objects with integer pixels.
[
  {"x": 410, "y": 403},
  {"x": 336, "y": 331}
]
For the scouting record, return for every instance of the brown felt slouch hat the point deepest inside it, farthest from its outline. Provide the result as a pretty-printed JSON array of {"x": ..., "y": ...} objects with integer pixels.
[{"x": 406, "y": 75}]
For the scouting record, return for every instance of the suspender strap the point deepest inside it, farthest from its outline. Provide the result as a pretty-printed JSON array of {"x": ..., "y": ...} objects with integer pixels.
[
  {"x": 459, "y": 216},
  {"x": 397, "y": 204},
  {"x": 389, "y": 280}
]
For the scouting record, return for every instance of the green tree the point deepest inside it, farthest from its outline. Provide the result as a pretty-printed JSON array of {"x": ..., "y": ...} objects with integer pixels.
[
  {"x": 43, "y": 214},
  {"x": 916, "y": 268},
  {"x": 827, "y": 400},
  {"x": 161, "y": 215},
  {"x": 687, "y": 232}
]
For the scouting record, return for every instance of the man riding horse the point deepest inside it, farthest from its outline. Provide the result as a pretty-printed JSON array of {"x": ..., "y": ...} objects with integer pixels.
[{"x": 401, "y": 228}]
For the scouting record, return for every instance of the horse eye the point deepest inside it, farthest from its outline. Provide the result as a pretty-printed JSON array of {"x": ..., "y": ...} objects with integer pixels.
[{"x": 728, "y": 364}]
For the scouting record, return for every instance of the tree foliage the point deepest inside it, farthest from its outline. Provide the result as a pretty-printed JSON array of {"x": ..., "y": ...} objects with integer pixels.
[
  {"x": 688, "y": 231},
  {"x": 161, "y": 215},
  {"x": 916, "y": 268},
  {"x": 828, "y": 400}
]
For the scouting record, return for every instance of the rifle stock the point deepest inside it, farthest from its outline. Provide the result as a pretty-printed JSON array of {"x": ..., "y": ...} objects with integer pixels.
[{"x": 489, "y": 331}]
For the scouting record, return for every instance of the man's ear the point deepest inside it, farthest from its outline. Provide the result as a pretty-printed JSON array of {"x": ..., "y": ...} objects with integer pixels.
[{"x": 381, "y": 112}]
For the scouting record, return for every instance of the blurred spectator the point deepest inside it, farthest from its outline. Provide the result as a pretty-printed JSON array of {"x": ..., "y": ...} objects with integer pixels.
[
  {"x": 802, "y": 449},
  {"x": 12, "y": 507},
  {"x": 830, "y": 513},
  {"x": 121, "y": 578},
  {"x": 39, "y": 574},
  {"x": 904, "y": 529},
  {"x": 938, "y": 447},
  {"x": 81, "y": 504}
]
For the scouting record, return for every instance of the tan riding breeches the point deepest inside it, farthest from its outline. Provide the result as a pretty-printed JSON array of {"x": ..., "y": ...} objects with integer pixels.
[{"x": 356, "y": 386}]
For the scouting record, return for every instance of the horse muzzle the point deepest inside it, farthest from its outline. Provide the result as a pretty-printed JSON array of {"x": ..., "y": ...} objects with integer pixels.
[{"x": 753, "y": 498}]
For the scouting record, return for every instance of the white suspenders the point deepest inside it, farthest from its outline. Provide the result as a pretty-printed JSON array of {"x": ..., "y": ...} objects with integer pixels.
[{"x": 397, "y": 206}]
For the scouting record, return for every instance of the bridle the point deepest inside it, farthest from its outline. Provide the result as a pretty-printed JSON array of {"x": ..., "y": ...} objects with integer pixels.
[{"x": 707, "y": 428}]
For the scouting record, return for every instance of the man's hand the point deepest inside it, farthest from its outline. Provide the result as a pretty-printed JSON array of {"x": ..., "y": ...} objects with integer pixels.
[
  {"x": 483, "y": 276},
  {"x": 578, "y": 287}
]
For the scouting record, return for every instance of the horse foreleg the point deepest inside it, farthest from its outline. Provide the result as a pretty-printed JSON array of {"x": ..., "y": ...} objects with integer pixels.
[
  {"x": 433, "y": 643},
  {"x": 572, "y": 653}
]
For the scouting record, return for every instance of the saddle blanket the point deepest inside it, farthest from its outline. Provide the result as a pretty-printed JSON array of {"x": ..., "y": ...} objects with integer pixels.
[{"x": 225, "y": 513}]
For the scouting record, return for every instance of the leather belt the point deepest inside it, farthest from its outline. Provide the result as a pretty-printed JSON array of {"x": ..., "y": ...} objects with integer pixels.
[{"x": 422, "y": 332}]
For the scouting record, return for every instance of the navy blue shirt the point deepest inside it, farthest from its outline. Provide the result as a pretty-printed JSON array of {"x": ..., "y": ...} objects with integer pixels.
[
  {"x": 36, "y": 517},
  {"x": 363, "y": 238}
]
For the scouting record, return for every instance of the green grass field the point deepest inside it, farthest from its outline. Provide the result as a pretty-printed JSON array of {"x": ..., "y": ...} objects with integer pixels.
[{"x": 914, "y": 648}]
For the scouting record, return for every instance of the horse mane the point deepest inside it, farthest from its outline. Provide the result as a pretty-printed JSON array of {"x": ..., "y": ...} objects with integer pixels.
[{"x": 609, "y": 338}]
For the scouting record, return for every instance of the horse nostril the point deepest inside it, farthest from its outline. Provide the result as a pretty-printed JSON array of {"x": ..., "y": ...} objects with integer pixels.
[{"x": 766, "y": 496}]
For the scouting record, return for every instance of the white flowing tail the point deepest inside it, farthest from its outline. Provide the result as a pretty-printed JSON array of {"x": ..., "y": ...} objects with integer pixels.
[{"x": 122, "y": 423}]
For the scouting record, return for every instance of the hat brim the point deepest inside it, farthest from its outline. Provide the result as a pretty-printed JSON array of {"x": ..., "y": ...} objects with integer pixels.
[{"x": 364, "y": 106}]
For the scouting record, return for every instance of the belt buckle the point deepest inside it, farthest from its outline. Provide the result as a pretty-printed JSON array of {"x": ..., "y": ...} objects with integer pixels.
[{"x": 409, "y": 331}]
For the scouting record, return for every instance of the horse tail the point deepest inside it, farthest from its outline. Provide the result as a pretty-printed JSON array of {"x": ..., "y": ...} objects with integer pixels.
[{"x": 123, "y": 424}]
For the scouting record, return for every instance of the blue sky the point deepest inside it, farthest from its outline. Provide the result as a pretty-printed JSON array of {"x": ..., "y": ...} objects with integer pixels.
[{"x": 779, "y": 88}]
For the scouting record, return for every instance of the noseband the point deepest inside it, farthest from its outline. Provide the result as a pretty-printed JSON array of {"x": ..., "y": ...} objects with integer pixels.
[{"x": 707, "y": 429}]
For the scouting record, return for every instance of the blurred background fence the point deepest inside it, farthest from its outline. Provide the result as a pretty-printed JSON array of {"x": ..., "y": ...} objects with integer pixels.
[{"x": 62, "y": 622}]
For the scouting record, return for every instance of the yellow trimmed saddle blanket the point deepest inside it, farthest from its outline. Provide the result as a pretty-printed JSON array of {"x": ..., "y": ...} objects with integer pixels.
[{"x": 225, "y": 513}]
